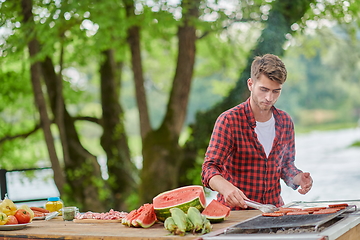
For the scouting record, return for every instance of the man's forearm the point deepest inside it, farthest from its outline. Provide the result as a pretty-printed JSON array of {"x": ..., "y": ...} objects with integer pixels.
[
  {"x": 297, "y": 179},
  {"x": 218, "y": 183},
  {"x": 233, "y": 196}
]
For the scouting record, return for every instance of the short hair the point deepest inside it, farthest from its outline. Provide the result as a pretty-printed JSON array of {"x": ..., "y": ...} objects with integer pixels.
[{"x": 271, "y": 66}]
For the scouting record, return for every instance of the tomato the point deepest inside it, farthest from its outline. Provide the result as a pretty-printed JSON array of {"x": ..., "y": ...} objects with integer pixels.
[
  {"x": 11, "y": 220},
  {"x": 23, "y": 216}
]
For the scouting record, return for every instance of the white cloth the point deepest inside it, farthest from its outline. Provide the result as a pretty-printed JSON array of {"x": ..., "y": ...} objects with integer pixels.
[{"x": 266, "y": 133}]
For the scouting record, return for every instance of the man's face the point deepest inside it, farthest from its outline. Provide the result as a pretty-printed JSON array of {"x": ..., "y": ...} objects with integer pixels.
[{"x": 264, "y": 92}]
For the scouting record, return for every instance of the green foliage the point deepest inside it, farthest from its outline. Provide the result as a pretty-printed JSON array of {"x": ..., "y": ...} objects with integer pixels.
[
  {"x": 104, "y": 192},
  {"x": 13, "y": 156},
  {"x": 355, "y": 144},
  {"x": 16, "y": 118},
  {"x": 15, "y": 90},
  {"x": 322, "y": 83},
  {"x": 132, "y": 201},
  {"x": 194, "y": 174}
]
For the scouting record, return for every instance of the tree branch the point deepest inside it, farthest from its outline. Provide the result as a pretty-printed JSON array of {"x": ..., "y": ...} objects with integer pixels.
[
  {"x": 89, "y": 119},
  {"x": 22, "y": 135},
  {"x": 231, "y": 22},
  {"x": 38, "y": 126}
]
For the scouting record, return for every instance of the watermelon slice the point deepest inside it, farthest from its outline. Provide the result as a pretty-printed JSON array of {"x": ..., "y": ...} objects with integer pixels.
[
  {"x": 216, "y": 211},
  {"x": 183, "y": 198},
  {"x": 133, "y": 220},
  {"x": 147, "y": 216},
  {"x": 143, "y": 217},
  {"x": 127, "y": 220}
]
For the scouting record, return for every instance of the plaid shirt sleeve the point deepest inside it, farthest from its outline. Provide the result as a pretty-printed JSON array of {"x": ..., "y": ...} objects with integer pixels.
[
  {"x": 220, "y": 147},
  {"x": 288, "y": 169},
  {"x": 235, "y": 153}
]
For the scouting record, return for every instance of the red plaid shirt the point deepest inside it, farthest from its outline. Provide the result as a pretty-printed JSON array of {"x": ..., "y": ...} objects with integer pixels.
[{"x": 235, "y": 153}]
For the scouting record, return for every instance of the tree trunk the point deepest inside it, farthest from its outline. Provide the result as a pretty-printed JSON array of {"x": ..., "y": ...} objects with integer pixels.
[
  {"x": 59, "y": 110},
  {"x": 35, "y": 70},
  {"x": 83, "y": 174},
  {"x": 284, "y": 13},
  {"x": 136, "y": 63},
  {"x": 122, "y": 172},
  {"x": 162, "y": 154}
]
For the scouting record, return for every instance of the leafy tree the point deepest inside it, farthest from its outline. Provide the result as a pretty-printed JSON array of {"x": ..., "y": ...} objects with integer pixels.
[
  {"x": 56, "y": 29},
  {"x": 282, "y": 16},
  {"x": 159, "y": 45}
]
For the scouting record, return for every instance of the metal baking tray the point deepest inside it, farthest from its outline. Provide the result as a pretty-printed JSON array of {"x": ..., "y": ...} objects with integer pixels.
[{"x": 286, "y": 221}]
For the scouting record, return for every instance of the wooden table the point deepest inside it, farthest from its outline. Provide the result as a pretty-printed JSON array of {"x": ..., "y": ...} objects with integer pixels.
[{"x": 58, "y": 229}]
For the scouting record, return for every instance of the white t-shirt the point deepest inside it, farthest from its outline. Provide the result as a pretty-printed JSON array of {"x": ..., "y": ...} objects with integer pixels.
[{"x": 266, "y": 133}]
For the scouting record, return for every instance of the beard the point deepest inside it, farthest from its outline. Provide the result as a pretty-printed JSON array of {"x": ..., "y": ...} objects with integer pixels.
[{"x": 263, "y": 105}]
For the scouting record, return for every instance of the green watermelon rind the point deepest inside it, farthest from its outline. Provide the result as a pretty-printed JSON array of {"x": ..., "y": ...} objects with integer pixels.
[
  {"x": 215, "y": 219},
  {"x": 163, "y": 213},
  {"x": 143, "y": 225}
]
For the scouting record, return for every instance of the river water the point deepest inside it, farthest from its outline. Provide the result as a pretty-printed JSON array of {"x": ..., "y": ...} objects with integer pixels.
[{"x": 334, "y": 166}]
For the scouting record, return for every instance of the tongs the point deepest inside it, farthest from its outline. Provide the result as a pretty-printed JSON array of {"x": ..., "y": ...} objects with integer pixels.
[{"x": 266, "y": 208}]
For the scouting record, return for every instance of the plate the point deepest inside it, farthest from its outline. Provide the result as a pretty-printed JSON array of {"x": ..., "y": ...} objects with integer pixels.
[{"x": 13, "y": 227}]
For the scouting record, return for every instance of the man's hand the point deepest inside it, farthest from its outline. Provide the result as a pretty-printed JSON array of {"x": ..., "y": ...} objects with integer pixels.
[
  {"x": 305, "y": 181},
  {"x": 234, "y": 197}
]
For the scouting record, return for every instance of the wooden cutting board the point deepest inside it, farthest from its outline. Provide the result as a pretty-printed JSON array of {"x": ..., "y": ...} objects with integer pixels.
[
  {"x": 57, "y": 228},
  {"x": 96, "y": 221}
]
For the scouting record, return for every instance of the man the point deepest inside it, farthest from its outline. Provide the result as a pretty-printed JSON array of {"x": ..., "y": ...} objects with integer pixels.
[{"x": 252, "y": 145}]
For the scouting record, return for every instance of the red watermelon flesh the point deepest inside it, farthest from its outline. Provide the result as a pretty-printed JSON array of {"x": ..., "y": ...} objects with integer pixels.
[
  {"x": 216, "y": 211},
  {"x": 183, "y": 194},
  {"x": 182, "y": 197},
  {"x": 132, "y": 220}
]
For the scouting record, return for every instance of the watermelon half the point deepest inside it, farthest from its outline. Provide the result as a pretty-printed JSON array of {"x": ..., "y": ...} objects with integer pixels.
[
  {"x": 216, "y": 211},
  {"x": 183, "y": 198}
]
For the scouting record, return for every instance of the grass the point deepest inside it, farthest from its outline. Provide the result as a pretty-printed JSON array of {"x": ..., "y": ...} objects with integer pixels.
[
  {"x": 327, "y": 127},
  {"x": 355, "y": 144},
  {"x": 323, "y": 127}
]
